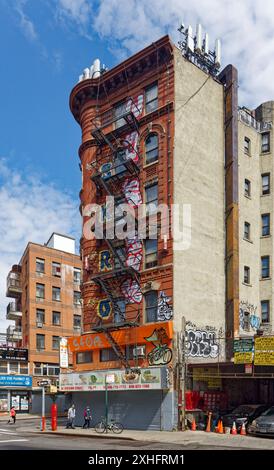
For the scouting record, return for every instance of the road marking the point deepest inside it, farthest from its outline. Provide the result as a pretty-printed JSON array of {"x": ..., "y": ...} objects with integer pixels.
[
  {"x": 14, "y": 440},
  {"x": 3, "y": 431}
]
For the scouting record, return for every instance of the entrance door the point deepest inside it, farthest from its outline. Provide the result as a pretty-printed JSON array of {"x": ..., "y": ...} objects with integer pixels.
[{"x": 20, "y": 401}]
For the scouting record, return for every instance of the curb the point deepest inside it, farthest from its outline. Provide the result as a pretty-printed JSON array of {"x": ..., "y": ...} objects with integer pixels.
[{"x": 89, "y": 436}]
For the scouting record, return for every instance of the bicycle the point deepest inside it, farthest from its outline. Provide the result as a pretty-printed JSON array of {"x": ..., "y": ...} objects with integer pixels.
[{"x": 113, "y": 426}]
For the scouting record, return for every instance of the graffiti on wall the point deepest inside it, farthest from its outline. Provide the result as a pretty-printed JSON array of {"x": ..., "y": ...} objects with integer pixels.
[
  {"x": 105, "y": 262},
  {"x": 164, "y": 310},
  {"x": 104, "y": 309},
  {"x": 135, "y": 105},
  {"x": 131, "y": 189},
  {"x": 201, "y": 343},
  {"x": 131, "y": 291},
  {"x": 161, "y": 354},
  {"x": 134, "y": 253},
  {"x": 247, "y": 316},
  {"x": 131, "y": 146}
]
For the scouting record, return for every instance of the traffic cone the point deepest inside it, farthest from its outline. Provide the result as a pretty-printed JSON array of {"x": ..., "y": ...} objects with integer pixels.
[
  {"x": 234, "y": 429},
  {"x": 193, "y": 425},
  {"x": 208, "y": 426},
  {"x": 220, "y": 427},
  {"x": 243, "y": 430}
]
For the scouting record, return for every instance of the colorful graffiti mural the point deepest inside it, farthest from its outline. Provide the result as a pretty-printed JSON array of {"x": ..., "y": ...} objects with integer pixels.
[
  {"x": 104, "y": 309},
  {"x": 130, "y": 144},
  {"x": 105, "y": 261},
  {"x": 131, "y": 291},
  {"x": 161, "y": 354},
  {"x": 135, "y": 105},
  {"x": 247, "y": 316},
  {"x": 131, "y": 189},
  {"x": 134, "y": 253}
]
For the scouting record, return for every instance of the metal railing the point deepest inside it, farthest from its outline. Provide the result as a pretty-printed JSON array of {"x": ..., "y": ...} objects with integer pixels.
[{"x": 248, "y": 119}]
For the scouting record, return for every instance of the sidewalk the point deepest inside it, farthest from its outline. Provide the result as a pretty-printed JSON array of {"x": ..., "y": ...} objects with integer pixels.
[
  {"x": 176, "y": 437},
  {"x": 19, "y": 416}
]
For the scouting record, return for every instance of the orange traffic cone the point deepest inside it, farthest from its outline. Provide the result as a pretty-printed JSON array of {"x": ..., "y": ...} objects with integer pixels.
[
  {"x": 220, "y": 427},
  {"x": 193, "y": 425},
  {"x": 243, "y": 430},
  {"x": 208, "y": 426},
  {"x": 234, "y": 429}
]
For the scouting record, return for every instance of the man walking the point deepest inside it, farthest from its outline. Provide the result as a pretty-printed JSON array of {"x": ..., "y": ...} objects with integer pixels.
[
  {"x": 87, "y": 417},
  {"x": 12, "y": 415},
  {"x": 71, "y": 417}
]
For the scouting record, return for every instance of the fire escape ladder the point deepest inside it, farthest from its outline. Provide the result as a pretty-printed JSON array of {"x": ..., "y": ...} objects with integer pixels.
[
  {"x": 116, "y": 348},
  {"x": 115, "y": 253}
]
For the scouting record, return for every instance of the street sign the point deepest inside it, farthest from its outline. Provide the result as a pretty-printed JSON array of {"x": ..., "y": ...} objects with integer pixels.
[{"x": 44, "y": 383}]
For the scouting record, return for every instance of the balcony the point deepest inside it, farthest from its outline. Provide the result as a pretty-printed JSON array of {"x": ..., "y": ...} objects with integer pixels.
[
  {"x": 13, "y": 311},
  {"x": 247, "y": 118},
  {"x": 14, "y": 286},
  {"x": 14, "y": 333}
]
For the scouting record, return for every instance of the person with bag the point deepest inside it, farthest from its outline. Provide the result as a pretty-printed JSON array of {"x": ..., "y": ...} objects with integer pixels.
[
  {"x": 12, "y": 415},
  {"x": 87, "y": 417}
]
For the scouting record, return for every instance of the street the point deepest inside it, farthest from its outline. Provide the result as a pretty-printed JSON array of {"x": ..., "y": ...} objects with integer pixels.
[{"x": 24, "y": 435}]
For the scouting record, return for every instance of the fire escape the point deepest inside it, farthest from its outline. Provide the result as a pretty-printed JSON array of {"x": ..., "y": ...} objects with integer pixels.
[{"x": 109, "y": 171}]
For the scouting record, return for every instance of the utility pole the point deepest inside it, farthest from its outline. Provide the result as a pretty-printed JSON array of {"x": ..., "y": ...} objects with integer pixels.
[{"x": 181, "y": 374}]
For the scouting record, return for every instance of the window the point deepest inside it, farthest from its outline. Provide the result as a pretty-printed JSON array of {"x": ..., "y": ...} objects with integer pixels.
[
  {"x": 151, "y": 305},
  {"x": 120, "y": 252},
  {"x": 151, "y": 148},
  {"x": 265, "y": 225},
  {"x": 108, "y": 355},
  {"x": 247, "y": 145},
  {"x": 40, "y": 317},
  {"x": 56, "y": 269},
  {"x": 117, "y": 316},
  {"x": 151, "y": 198},
  {"x": 77, "y": 297},
  {"x": 40, "y": 291},
  {"x": 56, "y": 294},
  {"x": 84, "y": 357},
  {"x": 119, "y": 110},
  {"x": 265, "y": 142},
  {"x": 55, "y": 342},
  {"x": 266, "y": 183},
  {"x": 151, "y": 98},
  {"x": 265, "y": 267},
  {"x": 56, "y": 318},
  {"x": 151, "y": 253},
  {"x": 77, "y": 275},
  {"x": 40, "y": 342},
  {"x": 246, "y": 275},
  {"x": 77, "y": 321},
  {"x": 120, "y": 158},
  {"x": 265, "y": 311},
  {"x": 40, "y": 265},
  {"x": 247, "y": 188},
  {"x": 247, "y": 231}
]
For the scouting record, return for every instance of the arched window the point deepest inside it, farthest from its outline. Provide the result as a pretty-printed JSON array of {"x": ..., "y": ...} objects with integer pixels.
[
  {"x": 151, "y": 147},
  {"x": 151, "y": 304}
]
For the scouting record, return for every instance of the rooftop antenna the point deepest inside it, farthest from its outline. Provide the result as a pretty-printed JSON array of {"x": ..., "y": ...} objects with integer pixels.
[{"x": 197, "y": 51}]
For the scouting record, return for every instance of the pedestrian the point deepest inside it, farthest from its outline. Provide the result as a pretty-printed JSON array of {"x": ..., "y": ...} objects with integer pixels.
[
  {"x": 12, "y": 415},
  {"x": 87, "y": 417},
  {"x": 71, "y": 417}
]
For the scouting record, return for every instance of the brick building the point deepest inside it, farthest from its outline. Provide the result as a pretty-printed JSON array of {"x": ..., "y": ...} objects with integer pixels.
[{"x": 45, "y": 286}]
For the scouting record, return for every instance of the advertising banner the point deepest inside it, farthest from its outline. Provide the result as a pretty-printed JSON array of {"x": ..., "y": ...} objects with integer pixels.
[
  {"x": 15, "y": 381},
  {"x": 148, "y": 379},
  {"x": 64, "y": 361},
  {"x": 243, "y": 351},
  {"x": 264, "y": 351}
]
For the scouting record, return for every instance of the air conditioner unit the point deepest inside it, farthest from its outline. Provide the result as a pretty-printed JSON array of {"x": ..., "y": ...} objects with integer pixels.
[
  {"x": 139, "y": 351},
  {"x": 39, "y": 324}
]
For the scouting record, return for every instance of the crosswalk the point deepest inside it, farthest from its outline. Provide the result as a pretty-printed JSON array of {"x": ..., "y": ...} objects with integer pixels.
[{"x": 7, "y": 436}]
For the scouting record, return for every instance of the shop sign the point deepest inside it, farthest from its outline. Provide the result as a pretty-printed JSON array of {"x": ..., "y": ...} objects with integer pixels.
[
  {"x": 208, "y": 375},
  {"x": 148, "y": 379},
  {"x": 15, "y": 381},
  {"x": 264, "y": 351},
  {"x": 243, "y": 351},
  {"x": 64, "y": 353},
  {"x": 248, "y": 368},
  {"x": 13, "y": 354}
]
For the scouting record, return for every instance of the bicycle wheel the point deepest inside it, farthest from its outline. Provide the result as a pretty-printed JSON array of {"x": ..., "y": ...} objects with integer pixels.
[
  {"x": 117, "y": 428},
  {"x": 100, "y": 427}
]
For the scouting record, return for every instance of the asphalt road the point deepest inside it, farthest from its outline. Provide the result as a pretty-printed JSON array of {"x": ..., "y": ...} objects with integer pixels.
[{"x": 13, "y": 438}]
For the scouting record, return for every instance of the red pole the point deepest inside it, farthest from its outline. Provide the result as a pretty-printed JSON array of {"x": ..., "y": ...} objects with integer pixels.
[
  {"x": 43, "y": 423},
  {"x": 54, "y": 417}
]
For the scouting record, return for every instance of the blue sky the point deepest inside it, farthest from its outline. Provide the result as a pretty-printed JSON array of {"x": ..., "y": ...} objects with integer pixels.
[{"x": 45, "y": 45}]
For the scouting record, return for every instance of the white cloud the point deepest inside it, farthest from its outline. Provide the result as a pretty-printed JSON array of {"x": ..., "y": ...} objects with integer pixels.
[
  {"x": 77, "y": 10},
  {"x": 30, "y": 210},
  {"x": 246, "y": 28},
  {"x": 26, "y": 24}
]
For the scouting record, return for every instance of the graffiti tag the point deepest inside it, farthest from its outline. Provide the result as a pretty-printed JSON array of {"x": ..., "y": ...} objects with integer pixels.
[
  {"x": 201, "y": 344},
  {"x": 161, "y": 354},
  {"x": 164, "y": 310}
]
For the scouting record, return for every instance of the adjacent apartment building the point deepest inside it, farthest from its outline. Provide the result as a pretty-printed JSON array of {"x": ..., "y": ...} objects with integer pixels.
[
  {"x": 164, "y": 128},
  {"x": 46, "y": 305}
]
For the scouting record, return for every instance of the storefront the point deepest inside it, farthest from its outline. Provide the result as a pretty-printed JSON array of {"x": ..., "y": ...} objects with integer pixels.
[
  {"x": 141, "y": 401},
  {"x": 15, "y": 391}
]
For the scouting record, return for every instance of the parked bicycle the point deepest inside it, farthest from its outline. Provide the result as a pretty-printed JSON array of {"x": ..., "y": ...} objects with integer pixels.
[{"x": 112, "y": 425}]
